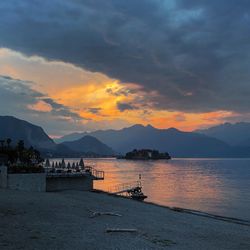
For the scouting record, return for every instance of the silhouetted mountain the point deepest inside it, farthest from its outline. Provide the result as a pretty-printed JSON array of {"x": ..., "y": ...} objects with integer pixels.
[
  {"x": 32, "y": 135},
  {"x": 233, "y": 134},
  {"x": 175, "y": 142},
  {"x": 70, "y": 137},
  {"x": 89, "y": 144}
]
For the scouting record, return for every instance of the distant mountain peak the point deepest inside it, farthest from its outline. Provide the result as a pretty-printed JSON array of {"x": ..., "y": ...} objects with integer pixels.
[
  {"x": 140, "y": 126},
  {"x": 88, "y": 138},
  {"x": 206, "y": 143},
  {"x": 150, "y": 126},
  {"x": 17, "y": 129},
  {"x": 231, "y": 133},
  {"x": 89, "y": 144},
  {"x": 136, "y": 126},
  {"x": 172, "y": 129}
]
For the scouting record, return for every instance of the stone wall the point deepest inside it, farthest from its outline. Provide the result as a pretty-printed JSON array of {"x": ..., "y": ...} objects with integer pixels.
[
  {"x": 3, "y": 177},
  {"x": 82, "y": 183},
  {"x": 27, "y": 182},
  {"x": 37, "y": 182}
]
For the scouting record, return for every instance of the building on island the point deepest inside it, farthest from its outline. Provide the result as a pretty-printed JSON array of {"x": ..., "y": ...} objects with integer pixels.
[{"x": 146, "y": 154}]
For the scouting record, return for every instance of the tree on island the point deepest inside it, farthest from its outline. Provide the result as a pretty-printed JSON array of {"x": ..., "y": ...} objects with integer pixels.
[{"x": 146, "y": 154}]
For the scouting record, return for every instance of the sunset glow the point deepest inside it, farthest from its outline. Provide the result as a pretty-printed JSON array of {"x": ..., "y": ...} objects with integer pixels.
[
  {"x": 95, "y": 97},
  {"x": 144, "y": 99},
  {"x": 104, "y": 65}
]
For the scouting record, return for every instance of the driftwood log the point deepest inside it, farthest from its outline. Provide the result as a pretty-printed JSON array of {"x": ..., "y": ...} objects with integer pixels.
[
  {"x": 121, "y": 230},
  {"x": 95, "y": 214}
]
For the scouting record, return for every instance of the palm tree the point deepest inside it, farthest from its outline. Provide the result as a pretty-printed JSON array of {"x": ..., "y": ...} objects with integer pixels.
[
  {"x": 8, "y": 141},
  {"x": 20, "y": 145},
  {"x": 2, "y": 143}
]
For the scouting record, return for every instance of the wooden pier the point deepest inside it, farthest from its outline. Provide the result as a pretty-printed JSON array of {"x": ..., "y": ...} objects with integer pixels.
[
  {"x": 132, "y": 190},
  {"x": 125, "y": 188}
]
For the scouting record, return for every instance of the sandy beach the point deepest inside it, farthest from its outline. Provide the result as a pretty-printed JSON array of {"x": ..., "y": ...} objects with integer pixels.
[{"x": 64, "y": 220}]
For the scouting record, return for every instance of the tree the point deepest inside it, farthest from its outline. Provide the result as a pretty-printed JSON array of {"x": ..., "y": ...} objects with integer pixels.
[
  {"x": 2, "y": 143},
  {"x": 20, "y": 145},
  {"x": 81, "y": 163},
  {"x": 68, "y": 166},
  {"x": 47, "y": 163},
  {"x": 8, "y": 141},
  {"x": 63, "y": 163}
]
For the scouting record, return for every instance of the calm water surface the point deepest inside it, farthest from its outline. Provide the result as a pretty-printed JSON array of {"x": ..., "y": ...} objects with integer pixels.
[{"x": 219, "y": 186}]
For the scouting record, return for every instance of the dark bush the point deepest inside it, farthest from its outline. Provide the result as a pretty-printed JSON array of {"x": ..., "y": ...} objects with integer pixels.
[{"x": 14, "y": 169}]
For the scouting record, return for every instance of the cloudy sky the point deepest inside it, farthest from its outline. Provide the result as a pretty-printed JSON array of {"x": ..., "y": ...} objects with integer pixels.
[{"x": 91, "y": 64}]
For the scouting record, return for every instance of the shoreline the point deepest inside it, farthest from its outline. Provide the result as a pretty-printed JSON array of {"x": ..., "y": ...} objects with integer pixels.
[
  {"x": 187, "y": 210},
  {"x": 64, "y": 220}
]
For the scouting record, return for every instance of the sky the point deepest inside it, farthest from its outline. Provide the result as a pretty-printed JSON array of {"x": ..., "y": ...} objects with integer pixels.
[{"x": 83, "y": 65}]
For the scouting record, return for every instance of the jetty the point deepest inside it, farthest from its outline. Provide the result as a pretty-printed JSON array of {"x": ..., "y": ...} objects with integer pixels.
[
  {"x": 131, "y": 190},
  {"x": 75, "y": 176},
  {"x": 24, "y": 169}
]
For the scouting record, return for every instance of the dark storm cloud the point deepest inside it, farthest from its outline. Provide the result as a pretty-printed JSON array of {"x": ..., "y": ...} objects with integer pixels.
[
  {"x": 196, "y": 54},
  {"x": 52, "y": 103},
  {"x": 61, "y": 110},
  {"x": 94, "y": 110},
  {"x": 123, "y": 106},
  {"x": 17, "y": 97},
  {"x": 121, "y": 92}
]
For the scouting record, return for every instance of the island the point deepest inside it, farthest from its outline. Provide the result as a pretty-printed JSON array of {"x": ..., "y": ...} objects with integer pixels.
[{"x": 146, "y": 154}]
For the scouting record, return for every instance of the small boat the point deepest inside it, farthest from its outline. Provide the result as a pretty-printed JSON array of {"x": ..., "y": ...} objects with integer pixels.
[{"x": 138, "y": 196}]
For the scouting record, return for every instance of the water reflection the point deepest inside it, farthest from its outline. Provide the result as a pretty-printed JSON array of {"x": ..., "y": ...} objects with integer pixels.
[
  {"x": 211, "y": 185},
  {"x": 166, "y": 183}
]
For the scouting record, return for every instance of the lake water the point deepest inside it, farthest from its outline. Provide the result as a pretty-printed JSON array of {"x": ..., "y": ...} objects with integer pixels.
[{"x": 218, "y": 186}]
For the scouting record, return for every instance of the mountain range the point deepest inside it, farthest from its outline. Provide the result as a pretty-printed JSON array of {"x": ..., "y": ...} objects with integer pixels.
[
  {"x": 176, "y": 142},
  {"x": 89, "y": 144},
  {"x": 32, "y": 135},
  {"x": 226, "y": 140},
  {"x": 16, "y": 129},
  {"x": 237, "y": 134}
]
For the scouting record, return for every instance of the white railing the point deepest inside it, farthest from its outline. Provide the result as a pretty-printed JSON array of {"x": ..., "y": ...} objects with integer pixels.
[
  {"x": 97, "y": 174},
  {"x": 125, "y": 187}
]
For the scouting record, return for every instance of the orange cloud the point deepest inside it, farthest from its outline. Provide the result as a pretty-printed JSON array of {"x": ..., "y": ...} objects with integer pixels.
[
  {"x": 189, "y": 121},
  {"x": 40, "y": 106},
  {"x": 84, "y": 91}
]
